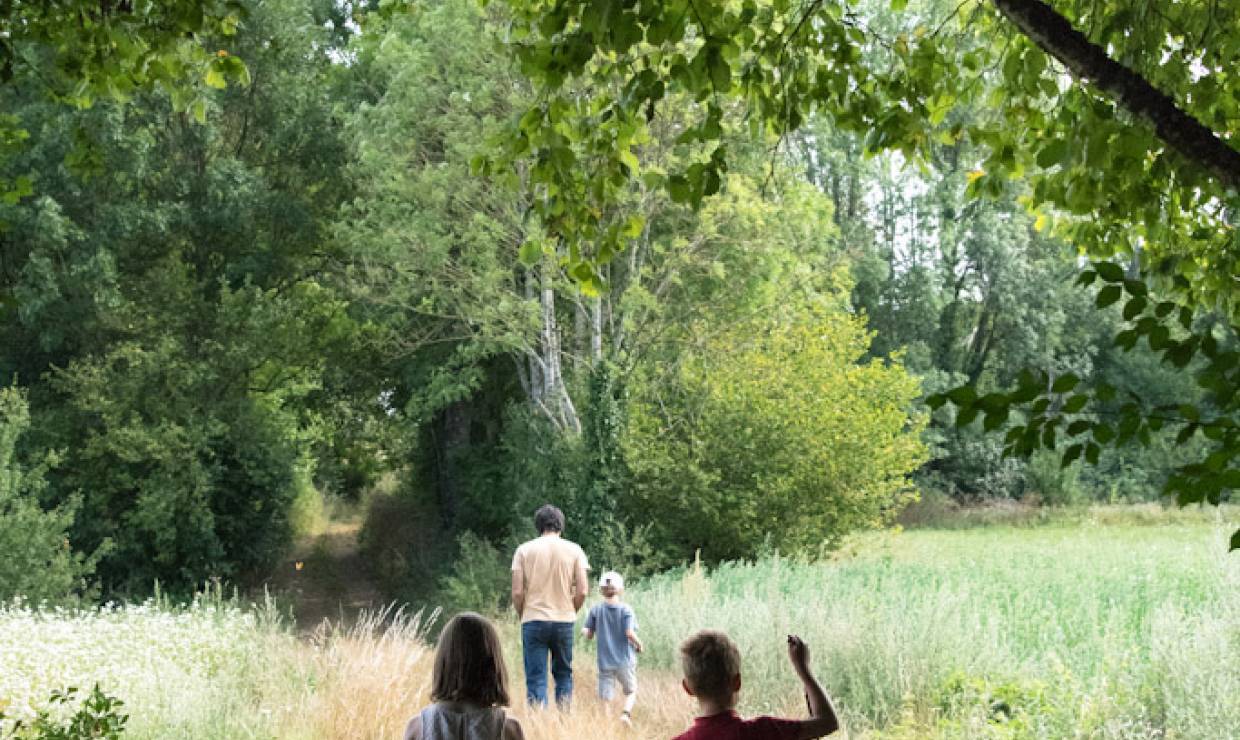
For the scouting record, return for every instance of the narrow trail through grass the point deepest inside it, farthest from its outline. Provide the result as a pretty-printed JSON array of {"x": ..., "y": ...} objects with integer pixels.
[{"x": 325, "y": 577}]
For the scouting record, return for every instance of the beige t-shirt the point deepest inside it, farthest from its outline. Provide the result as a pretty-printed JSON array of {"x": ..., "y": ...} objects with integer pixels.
[{"x": 548, "y": 567}]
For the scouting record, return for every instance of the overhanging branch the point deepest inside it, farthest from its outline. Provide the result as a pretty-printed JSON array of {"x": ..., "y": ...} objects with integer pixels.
[{"x": 1189, "y": 137}]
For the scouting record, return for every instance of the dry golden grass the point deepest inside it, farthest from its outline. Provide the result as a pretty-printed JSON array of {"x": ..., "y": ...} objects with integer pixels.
[{"x": 368, "y": 679}]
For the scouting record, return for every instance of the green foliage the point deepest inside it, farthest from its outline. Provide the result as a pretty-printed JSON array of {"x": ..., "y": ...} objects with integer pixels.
[
  {"x": 1054, "y": 483},
  {"x": 39, "y": 564},
  {"x": 774, "y": 428},
  {"x": 81, "y": 51},
  {"x": 1108, "y": 175},
  {"x": 174, "y": 316},
  {"x": 480, "y": 577},
  {"x": 1090, "y": 416},
  {"x": 1072, "y": 629},
  {"x": 98, "y": 716}
]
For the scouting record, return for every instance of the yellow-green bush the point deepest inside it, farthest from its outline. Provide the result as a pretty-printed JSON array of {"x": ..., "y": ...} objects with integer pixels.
[{"x": 775, "y": 431}]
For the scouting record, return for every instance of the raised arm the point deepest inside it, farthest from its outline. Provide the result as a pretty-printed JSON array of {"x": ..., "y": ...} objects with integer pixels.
[{"x": 823, "y": 720}]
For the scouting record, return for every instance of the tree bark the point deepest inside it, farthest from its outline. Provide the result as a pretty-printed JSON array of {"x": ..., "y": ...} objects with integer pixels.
[
  {"x": 453, "y": 439},
  {"x": 1192, "y": 139}
]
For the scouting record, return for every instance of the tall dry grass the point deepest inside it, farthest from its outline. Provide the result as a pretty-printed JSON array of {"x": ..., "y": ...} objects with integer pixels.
[{"x": 376, "y": 675}]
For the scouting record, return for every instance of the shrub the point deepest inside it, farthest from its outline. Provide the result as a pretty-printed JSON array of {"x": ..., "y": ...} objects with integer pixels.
[
  {"x": 98, "y": 716},
  {"x": 404, "y": 543},
  {"x": 39, "y": 562},
  {"x": 774, "y": 429},
  {"x": 1054, "y": 484},
  {"x": 480, "y": 576}
]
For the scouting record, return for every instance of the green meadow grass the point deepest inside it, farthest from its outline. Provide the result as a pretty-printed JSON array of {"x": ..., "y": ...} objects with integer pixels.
[
  {"x": 1077, "y": 630},
  {"x": 1097, "y": 626}
]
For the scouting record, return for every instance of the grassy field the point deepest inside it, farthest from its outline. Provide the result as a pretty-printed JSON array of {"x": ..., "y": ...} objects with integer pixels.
[
  {"x": 1085, "y": 629},
  {"x": 1058, "y": 631}
]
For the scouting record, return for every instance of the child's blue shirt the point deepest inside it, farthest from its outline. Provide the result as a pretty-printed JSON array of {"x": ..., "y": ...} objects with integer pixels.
[{"x": 609, "y": 622}]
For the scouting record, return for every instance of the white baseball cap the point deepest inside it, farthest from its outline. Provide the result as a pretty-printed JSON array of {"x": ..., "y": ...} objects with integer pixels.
[{"x": 611, "y": 578}]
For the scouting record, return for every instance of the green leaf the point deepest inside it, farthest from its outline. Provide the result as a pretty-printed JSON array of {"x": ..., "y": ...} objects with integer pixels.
[
  {"x": 1235, "y": 541},
  {"x": 215, "y": 76},
  {"x": 1055, "y": 152},
  {"x": 995, "y": 419},
  {"x": 1075, "y": 403},
  {"x": 531, "y": 251},
  {"x": 629, "y": 160},
  {"x": 1070, "y": 455},
  {"x": 1109, "y": 271},
  {"x": 1134, "y": 307},
  {"x": 1108, "y": 295},
  {"x": 1079, "y": 426},
  {"x": 583, "y": 272},
  {"x": 962, "y": 396},
  {"x": 1091, "y": 453},
  {"x": 1065, "y": 383},
  {"x": 679, "y": 189}
]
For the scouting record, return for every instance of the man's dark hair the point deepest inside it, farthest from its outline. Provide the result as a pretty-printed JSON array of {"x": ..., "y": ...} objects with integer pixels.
[{"x": 548, "y": 519}]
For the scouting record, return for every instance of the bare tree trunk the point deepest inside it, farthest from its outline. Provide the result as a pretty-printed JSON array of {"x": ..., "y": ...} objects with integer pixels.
[
  {"x": 581, "y": 331},
  {"x": 536, "y": 381},
  {"x": 596, "y": 330},
  {"x": 554, "y": 392}
]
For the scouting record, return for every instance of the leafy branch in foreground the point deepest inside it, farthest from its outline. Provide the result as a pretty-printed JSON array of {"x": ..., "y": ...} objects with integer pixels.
[
  {"x": 80, "y": 51},
  {"x": 99, "y": 716},
  {"x": 1064, "y": 414}
]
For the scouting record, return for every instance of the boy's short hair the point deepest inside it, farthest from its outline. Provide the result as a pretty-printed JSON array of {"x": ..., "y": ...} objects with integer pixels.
[{"x": 710, "y": 659}]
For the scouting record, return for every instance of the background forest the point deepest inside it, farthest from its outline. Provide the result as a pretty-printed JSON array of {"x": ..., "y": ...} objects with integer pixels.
[
  {"x": 215, "y": 321},
  {"x": 306, "y": 305}
]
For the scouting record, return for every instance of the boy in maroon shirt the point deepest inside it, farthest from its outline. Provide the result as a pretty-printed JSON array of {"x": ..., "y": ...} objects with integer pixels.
[{"x": 712, "y": 667}]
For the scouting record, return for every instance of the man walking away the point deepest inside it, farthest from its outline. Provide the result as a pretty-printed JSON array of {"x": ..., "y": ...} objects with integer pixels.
[{"x": 548, "y": 588}]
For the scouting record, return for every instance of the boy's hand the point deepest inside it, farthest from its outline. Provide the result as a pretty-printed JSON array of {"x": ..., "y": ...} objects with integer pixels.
[{"x": 798, "y": 653}]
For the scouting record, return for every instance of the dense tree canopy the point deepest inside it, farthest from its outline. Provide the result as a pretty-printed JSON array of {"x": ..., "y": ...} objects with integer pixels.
[
  {"x": 1120, "y": 135},
  {"x": 733, "y": 261}
]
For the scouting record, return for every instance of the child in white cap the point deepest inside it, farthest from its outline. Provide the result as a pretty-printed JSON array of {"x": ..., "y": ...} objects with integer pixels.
[{"x": 615, "y": 625}]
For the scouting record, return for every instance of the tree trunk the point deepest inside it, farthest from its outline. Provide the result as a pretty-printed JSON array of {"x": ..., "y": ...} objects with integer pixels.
[
  {"x": 555, "y": 399},
  {"x": 452, "y": 439},
  {"x": 596, "y": 330},
  {"x": 536, "y": 381}
]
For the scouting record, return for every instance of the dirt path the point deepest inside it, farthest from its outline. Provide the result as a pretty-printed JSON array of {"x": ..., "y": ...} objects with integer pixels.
[{"x": 326, "y": 577}]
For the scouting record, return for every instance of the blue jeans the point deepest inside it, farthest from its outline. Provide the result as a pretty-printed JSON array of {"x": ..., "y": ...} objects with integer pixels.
[{"x": 537, "y": 639}]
